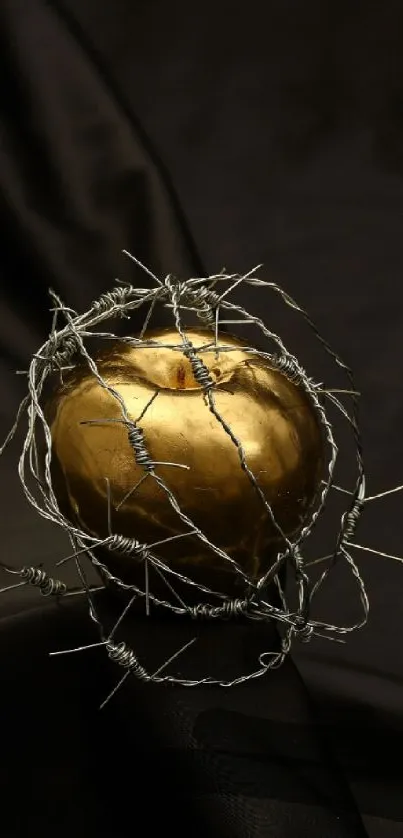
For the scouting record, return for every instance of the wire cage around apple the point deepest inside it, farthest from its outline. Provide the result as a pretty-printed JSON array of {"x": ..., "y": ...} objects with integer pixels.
[{"x": 209, "y": 299}]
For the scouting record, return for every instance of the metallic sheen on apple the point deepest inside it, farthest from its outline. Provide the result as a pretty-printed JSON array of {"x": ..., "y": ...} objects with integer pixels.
[{"x": 271, "y": 417}]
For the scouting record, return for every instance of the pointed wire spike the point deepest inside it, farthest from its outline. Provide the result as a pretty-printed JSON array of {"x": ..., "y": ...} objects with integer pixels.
[
  {"x": 321, "y": 389},
  {"x": 131, "y": 491},
  {"x": 376, "y": 552},
  {"x": 250, "y": 273},
  {"x": 174, "y": 465},
  {"x": 319, "y": 561},
  {"x": 384, "y": 494},
  {"x": 122, "y": 616},
  {"x": 82, "y": 591},
  {"x": 168, "y": 584},
  {"x": 148, "y": 405},
  {"x": 13, "y": 430},
  {"x": 143, "y": 267},
  {"x": 328, "y": 637},
  {"x": 172, "y": 538},
  {"x": 147, "y": 587},
  {"x": 233, "y": 322},
  {"x": 216, "y": 321},
  {"x": 109, "y": 511},
  {"x": 77, "y": 649},
  {"x": 231, "y": 288},
  {"x": 148, "y": 317},
  {"x": 12, "y": 587},
  {"x": 338, "y": 488},
  {"x": 81, "y": 551},
  {"x": 115, "y": 689},
  {"x": 174, "y": 656}
]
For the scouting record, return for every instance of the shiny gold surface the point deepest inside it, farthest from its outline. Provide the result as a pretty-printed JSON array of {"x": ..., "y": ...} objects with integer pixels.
[{"x": 271, "y": 417}]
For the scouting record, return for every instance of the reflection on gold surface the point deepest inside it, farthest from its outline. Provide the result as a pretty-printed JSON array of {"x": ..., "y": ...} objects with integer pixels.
[{"x": 271, "y": 417}]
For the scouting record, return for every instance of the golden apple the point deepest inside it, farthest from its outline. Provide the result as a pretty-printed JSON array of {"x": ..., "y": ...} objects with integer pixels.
[{"x": 271, "y": 417}]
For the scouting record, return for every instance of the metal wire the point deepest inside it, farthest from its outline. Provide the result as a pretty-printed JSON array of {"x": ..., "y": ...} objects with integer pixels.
[
  {"x": 213, "y": 308},
  {"x": 39, "y": 579}
]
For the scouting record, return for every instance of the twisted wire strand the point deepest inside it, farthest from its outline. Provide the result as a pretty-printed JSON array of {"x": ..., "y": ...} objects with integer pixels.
[
  {"x": 125, "y": 657},
  {"x": 359, "y": 491},
  {"x": 230, "y": 608},
  {"x": 203, "y": 378}
]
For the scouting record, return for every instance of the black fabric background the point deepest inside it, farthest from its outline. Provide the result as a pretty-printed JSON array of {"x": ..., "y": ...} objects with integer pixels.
[{"x": 280, "y": 125}]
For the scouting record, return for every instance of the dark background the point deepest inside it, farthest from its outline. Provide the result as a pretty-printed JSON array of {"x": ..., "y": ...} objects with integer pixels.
[{"x": 203, "y": 136}]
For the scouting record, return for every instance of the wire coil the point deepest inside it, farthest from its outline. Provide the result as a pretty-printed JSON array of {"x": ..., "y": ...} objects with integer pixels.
[
  {"x": 121, "y": 654},
  {"x": 39, "y": 579},
  {"x": 127, "y": 546}
]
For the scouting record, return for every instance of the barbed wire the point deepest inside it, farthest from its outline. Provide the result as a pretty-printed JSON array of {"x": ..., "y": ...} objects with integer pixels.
[{"x": 67, "y": 346}]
